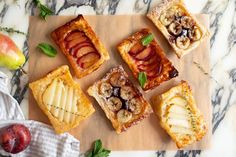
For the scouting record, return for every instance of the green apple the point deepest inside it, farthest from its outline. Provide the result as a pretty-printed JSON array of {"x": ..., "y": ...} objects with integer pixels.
[{"x": 10, "y": 55}]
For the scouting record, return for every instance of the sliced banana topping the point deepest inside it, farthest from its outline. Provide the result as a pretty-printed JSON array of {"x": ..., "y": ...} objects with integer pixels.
[
  {"x": 187, "y": 22},
  {"x": 167, "y": 18},
  {"x": 106, "y": 89},
  {"x": 135, "y": 106},
  {"x": 114, "y": 104},
  {"x": 182, "y": 42},
  {"x": 127, "y": 92},
  {"x": 194, "y": 34},
  {"x": 175, "y": 28},
  {"x": 124, "y": 116},
  {"x": 117, "y": 80}
]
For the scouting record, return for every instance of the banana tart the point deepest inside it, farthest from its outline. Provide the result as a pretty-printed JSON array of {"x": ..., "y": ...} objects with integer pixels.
[
  {"x": 61, "y": 99},
  {"x": 81, "y": 46},
  {"x": 179, "y": 115},
  {"x": 122, "y": 103},
  {"x": 178, "y": 25},
  {"x": 146, "y": 59}
]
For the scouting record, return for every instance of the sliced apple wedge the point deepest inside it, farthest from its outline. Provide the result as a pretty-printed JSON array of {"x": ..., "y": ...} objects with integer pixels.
[
  {"x": 75, "y": 42},
  {"x": 74, "y": 50},
  {"x": 144, "y": 55},
  {"x": 88, "y": 60},
  {"x": 137, "y": 48},
  {"x": 84, "y": 50},
  {"x": 74, "y": 35}
]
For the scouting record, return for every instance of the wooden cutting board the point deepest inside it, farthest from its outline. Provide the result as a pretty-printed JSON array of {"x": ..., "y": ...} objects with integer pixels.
[{"x": 147, "y": 135}]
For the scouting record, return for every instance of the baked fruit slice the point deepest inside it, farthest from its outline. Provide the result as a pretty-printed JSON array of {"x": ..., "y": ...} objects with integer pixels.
[
  {"x": 179, "y": 115},
  {"x": 178, "y": 25},
  {"x": 61, "y": 99},
  {"x": 81, "y": 46},
  {"x": 146, "y": 59},
  {"x": 122, "y": 103}
]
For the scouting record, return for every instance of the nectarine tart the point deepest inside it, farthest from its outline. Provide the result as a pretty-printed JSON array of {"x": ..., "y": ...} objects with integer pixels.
[
  {"x": 122, "y": 103},
  {"x": 61, "y": 99},
  {"x": 179, "y": 115},
  {"x": 146, "y": 59},
  {"x": 81, "y": 46},
  {"x": 183, "y": 32}
]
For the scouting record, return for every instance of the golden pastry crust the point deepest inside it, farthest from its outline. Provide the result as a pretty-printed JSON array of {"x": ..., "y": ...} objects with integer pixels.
[
  {"x": 83, "y": 105},
  {"x": 155, "y": 15},
  {"x": 80, "y": 24},
  {"x": 144, "y": 110},
  {"x": 162, "y": 107},
  {"x": 166, "y": 69}
]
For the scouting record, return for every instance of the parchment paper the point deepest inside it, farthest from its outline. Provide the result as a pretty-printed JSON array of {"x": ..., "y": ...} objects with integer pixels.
[{"x": 147, "y": 135}]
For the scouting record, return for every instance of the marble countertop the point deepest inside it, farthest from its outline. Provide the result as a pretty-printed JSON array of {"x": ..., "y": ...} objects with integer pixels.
[{"x": 15, "y": 13}]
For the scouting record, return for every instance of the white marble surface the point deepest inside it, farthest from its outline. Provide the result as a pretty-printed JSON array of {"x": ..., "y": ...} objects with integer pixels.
[{"x": 14, "y": 13}]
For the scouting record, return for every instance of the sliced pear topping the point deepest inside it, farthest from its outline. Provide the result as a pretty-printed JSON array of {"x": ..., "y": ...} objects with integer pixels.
[
  {"x": 178, "y": 109},
  {"x": 178, "y": 116},
  {"x": 177, "y": 100},
  {"x": 179, "y": 122},
  {"x": 68, "y": 105},
  {"x": 56, "y": 100},
  {"x": 181, "y": 130},
  {"x": 49, "y": 93},
  {"x": 64, "y": 96},
  {"x": 74, "y": 106}
]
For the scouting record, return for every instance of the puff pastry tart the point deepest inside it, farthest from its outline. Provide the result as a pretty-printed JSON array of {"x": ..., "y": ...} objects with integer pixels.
[
  {"x": 180, "y": 28},
  {"x": 179, "y": 115},
  {"x": 122, "y": 103},
  {"x": 61, "y": 99},
  {"x": 144, "y": 56},
  {"x": 81, "y": 46}
]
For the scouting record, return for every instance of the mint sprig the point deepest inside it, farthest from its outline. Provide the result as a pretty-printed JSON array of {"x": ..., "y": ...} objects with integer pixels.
[
  {"x": 147, "y": 39},
  {"x": 98, "y": 151},
  {"x": 44, "y": 10},
  {"x": 142, "y": 78},
  {"x": 47, "y": 49}
]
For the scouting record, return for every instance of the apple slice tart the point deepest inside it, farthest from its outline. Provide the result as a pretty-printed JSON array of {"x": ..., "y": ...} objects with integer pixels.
[
  {"x": 122, "y": 103},
  {"x": 61, "y": 99},
  {"x": 179, "y": 115},
  {"x": 81, "y": 46},
  {"x": 146, "y": 58}
]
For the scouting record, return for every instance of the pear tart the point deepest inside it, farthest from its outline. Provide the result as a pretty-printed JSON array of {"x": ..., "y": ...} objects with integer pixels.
[
  {"x": 146, "y": 58},
  {"x": 61, "y": 99},
  {"x": 180, "y": 116},
  {"x": 81, "y": 46},
  {"x": 122, "y": 103},
  {"x": 178, "y": 25}
]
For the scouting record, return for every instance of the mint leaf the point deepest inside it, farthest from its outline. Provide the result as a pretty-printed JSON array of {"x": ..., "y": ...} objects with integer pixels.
[
  {"x": 147, "y": 39},
  {"x": 98, "y": 151},
  {"x": 142, "y": 78},
  {"x": 97, "y": 146},
  {"x": 47, "y": 49},
  {"x": 44, "y": 10}
]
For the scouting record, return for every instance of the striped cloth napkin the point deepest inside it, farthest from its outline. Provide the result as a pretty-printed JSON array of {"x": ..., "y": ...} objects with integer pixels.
[{"x": 44, "y": 142}]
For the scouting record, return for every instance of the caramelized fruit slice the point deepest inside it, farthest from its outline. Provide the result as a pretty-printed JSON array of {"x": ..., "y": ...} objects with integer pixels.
[
  {"x": 138, "y": 47},
  {"x": 88, "y": 60},
  {"x": 144, "y": 55},
  {"x": 74, "y": 35}
]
